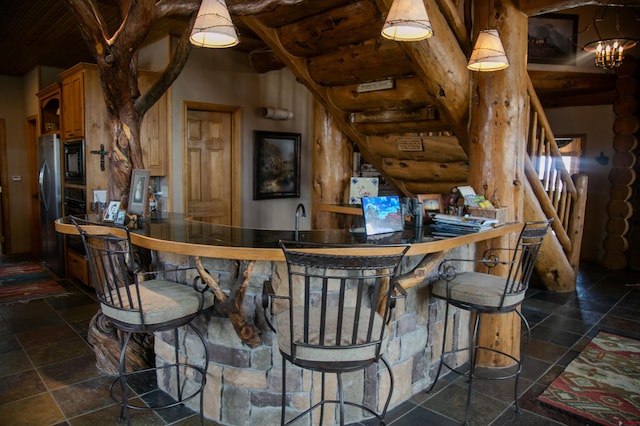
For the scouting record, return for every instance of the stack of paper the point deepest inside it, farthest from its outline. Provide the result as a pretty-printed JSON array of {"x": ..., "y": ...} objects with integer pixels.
[{"x": 451, "y": 226}]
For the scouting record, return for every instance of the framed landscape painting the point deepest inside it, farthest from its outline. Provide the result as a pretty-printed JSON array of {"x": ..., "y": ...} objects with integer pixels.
[
  {"x": 276, "y": 165},
  {"x": 553, "y": 39}
]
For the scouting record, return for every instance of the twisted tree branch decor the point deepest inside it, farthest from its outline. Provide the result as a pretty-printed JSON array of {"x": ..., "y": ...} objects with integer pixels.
[{"x": 230, "y": 305}]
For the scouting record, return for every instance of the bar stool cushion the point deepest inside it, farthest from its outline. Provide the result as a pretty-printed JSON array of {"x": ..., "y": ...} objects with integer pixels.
[
  {"x": 162, "y": 301},
  {"x": 330, "y": 350},
  {"x": 477, "y": 288}
]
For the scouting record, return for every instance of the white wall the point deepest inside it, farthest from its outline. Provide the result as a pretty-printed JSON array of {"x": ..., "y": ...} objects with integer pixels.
[
  {"x": 597, "y": 123},
  {"x": 220, "y": 76}
]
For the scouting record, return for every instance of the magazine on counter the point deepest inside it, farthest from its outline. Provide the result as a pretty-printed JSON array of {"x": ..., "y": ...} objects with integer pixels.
[{"x": 445, "y": 225}]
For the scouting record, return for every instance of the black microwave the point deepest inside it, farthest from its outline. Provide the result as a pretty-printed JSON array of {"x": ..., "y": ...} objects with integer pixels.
[{"x": 74, "y": 170}]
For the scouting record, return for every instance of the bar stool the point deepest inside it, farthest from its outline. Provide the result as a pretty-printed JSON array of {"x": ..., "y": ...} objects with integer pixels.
[
  {"x": 484, "y": 293},
  {"x": 136, "y": 306},
  {"x": 334, "y": 318}
]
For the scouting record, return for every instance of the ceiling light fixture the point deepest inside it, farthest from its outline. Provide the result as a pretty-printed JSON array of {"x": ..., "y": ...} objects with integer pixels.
[
  {"x": 213, "y": 26},
  {"x": 609, "y": 52},
  {"x": 407, "y": 21},
  {"x": 488, "y": 53}
]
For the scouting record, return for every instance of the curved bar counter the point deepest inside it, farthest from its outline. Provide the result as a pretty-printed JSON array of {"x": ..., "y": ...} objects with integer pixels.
[
  {"x": 176, "y": 233},
  {"x": 243, "y": 383}
]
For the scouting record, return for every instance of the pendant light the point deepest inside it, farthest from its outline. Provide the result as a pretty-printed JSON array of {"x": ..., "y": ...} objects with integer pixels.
[
  {"x": 213, "y": 26},
  {"x": 488, "y": 53},
  {"x": 609, "y": 52},
  {"x": 407, "y": 21}
]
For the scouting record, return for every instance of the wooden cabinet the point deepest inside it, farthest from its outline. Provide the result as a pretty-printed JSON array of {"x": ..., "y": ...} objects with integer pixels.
[
  {"x": 153, "y": 130},
  {"x": 49, "y": 109},
  {"x": 73, "y": 104},
  {"x": 84, "y": 116},
  {"x": 77, "y": 267}
]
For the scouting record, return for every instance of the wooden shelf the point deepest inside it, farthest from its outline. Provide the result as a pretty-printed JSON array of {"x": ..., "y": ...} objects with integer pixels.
[{"x": 353, "y": 209}]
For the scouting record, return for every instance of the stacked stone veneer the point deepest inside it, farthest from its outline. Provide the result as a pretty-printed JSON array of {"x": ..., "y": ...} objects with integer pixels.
[{"x": 244, "y": 384}]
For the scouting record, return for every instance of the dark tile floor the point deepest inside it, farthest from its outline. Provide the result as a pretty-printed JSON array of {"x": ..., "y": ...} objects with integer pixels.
[{"x": 48, "y": 374}]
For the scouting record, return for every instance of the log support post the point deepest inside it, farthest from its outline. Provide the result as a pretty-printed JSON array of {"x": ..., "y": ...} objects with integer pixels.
[
  {"x": 497, "y": 136},
  {"x": 332, "y": 165}
]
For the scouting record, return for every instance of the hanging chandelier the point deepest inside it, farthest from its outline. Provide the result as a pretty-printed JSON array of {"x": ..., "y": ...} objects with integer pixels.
[{"x": 609, "y": 52}]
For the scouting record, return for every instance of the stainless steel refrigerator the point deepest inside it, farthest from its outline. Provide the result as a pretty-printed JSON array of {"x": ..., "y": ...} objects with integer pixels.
[{"x": 50, "y": 183}]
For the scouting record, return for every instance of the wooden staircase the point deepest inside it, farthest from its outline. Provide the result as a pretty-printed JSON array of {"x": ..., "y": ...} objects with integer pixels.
[{"x": 385, "y": 96}]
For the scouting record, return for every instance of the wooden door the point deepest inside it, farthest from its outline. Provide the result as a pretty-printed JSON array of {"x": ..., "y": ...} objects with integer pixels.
[{"x": 209, "y": 166}]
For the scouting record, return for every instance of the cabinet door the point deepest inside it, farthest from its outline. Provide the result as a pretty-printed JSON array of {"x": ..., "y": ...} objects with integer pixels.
[
  {"x": 73, "y": 106},
  {"x": 153, "y": 130}
]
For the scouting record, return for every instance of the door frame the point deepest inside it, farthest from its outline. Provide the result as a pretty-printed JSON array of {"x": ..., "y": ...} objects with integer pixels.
[
  {"x": 236, "y": 153},
  {"x": 4, "y": 197},
  {"x": 31, "y": 136}
]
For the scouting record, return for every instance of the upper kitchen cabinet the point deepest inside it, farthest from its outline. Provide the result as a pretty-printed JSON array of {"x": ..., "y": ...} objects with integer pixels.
[
  {"x": 73, "y": 102},
  {"x": 153, "y": 129},
  {"x": 49, "y": 109},
  {"x": 84, "y": 116}
]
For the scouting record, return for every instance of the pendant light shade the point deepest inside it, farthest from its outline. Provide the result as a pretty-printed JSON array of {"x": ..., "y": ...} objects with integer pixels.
[
  {"x": 213, "y": 26},
  {"x": 488, "y": 53},
  {"x": 407, "y": 21}
]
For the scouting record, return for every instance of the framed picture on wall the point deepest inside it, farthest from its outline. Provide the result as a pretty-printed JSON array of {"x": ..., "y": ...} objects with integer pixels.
[
  {"x": 276, "y": 159},
  {"x": 139, "y": 191},
  {"x": 553, "y": 39}
]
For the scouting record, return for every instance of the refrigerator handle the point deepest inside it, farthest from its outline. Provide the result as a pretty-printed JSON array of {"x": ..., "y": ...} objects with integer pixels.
[{"x": 41, "y": 177}]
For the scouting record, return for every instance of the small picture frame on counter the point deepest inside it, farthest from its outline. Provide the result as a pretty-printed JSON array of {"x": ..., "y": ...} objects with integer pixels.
[
  {"x": 120, "y": 218},
  {"x": 431, "y": 203},
  {"x": 111, "y": 212}
]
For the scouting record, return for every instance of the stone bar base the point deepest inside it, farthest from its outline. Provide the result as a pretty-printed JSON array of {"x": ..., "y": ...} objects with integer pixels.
[{"x": 243, "y": 384}]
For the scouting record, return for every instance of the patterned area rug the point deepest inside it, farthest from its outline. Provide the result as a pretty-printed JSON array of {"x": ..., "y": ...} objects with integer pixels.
[
  {"x": 25, "y": 282},
  {"x": 602, "y": 384}
]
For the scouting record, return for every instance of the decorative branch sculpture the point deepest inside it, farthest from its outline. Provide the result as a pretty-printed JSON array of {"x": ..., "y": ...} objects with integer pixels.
[{"x": 231, "y": 306}]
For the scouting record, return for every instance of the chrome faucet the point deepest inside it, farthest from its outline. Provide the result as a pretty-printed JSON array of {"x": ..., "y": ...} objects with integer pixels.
[{"x": 299, "y": 208}]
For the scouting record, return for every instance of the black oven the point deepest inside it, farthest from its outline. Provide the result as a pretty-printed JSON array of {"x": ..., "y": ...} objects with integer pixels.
[
  {"x": 74, "y": 171},
  {"x": 75, "y": 204}
]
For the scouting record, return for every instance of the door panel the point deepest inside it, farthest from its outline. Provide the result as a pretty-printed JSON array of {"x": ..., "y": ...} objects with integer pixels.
[{"x": 208, "y": 170}]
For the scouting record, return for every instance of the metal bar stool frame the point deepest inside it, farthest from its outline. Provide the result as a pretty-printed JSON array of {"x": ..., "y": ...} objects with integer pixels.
[
  {"x": 326, "y": 334},
  {"x": 502, "y": 295},
  {"x": 121, "y": 294}
]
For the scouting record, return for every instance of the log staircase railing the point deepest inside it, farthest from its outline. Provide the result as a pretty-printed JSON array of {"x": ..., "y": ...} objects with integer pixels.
[{"x": 559, "y": 196}]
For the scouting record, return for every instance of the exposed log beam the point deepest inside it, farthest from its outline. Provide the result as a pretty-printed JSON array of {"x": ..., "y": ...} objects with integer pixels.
[
  {"x": 361, "y": 63},
  {"x": 407, "y": 93},
  {"x": 412, "y": 170},
  {"x": 548, "y": 80},
  {"x": 329, "y": 30},
  {"x": 434, "y": 148},
  {"x": 537, "y": 7},
  {"x": 561, "y": 89}
]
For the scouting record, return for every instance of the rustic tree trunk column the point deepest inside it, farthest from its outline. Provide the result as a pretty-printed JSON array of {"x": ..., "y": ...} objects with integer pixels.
[
  {"x": 331, "y": 169},
  {"x": 497, "y": 136}
]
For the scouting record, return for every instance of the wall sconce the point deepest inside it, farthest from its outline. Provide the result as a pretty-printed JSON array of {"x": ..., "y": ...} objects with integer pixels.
[
  {"x": 407, "y": 21},
  {"x": 602, "y": 159},
  {"x": 213, "y": 26},
  {"x": 277, "y": 113}
]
